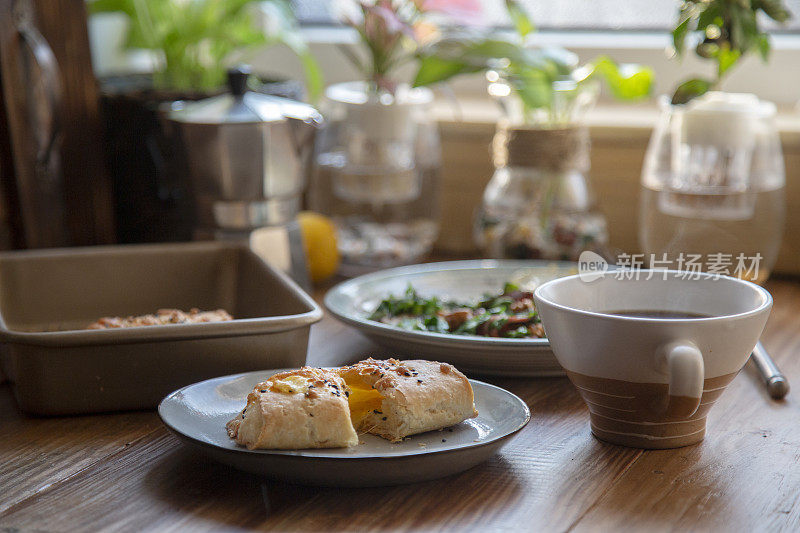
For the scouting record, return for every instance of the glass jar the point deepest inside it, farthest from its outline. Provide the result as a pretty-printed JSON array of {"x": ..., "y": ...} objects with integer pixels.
[
  {"x": 713, "y": 185},
  {"x": 376, "y": 174},
  {"x": 539, "y": 203}
]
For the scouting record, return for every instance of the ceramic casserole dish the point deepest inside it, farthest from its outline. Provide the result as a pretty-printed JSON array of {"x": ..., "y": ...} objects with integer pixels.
[{"x": 48, "y": 297}]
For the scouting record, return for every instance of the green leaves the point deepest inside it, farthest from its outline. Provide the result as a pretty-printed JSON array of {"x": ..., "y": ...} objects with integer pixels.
[
  {"x": 492, "y": 316},
  {"x": 104, "y": 6},
  {"x": 764, "y": 47},
  {"x": 534, "y": 75},
  {"x": 196, "y": 37},
  {"x": 287, "y": 33},
  {"x": 451, "y": 57},
  {"x": 510, "y": 287},
  {"x": 531, "y": 73},
  {"x": 626, "y": 82},
  {"x": 727, "y": 31},
  {"x": 690, "y": 89},
  {"x": 726, "y": 58},
  {"x": 433, "y": 69},
  {"x": 681, "y": 30},
  {"x": 519, "y": 18},
  {"x": 774, "y": 9},
  {"x": 534, "y": 87},
  {"x": 315, "y": 81}
]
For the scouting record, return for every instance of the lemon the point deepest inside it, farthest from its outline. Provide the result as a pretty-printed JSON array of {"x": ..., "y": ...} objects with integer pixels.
[{"x": 319, "y": 242}]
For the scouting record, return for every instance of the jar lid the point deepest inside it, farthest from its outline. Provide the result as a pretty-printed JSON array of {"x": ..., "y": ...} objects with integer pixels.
[
  {"x": 723, "y": 119},
  {"x": 359, "y": 93},
  {"x": 240, "y": 106}
]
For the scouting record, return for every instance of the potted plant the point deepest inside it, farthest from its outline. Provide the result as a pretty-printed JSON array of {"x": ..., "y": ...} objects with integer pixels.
[
  {"x": 377, "y": 161},
  {"x": 193, "y": 42},
  {"x": 725, "y": 31},
  {"x": 539, "y": 202},
  {"x": 713, "y": 177}
]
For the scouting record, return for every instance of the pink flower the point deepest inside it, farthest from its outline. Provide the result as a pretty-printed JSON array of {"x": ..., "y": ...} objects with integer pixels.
[
  {"x": 425, "y": 32},
  {"x": 382, "y": 25}
]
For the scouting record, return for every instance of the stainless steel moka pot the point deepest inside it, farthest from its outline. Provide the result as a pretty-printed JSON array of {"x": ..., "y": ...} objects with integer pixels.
[{"x": 247, "y": 154}]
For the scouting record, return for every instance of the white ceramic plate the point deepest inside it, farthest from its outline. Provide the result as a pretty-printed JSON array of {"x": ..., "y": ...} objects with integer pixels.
[
  {"x": 198, "y": 413},
  {"x": 354, "y": 300}
]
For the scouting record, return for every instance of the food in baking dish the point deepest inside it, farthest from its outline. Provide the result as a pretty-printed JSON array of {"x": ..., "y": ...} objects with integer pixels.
[
  {"x": 305, "y": 408},
  {"x": 316, "y": 408},
  {"x": 162, "y": 317}
]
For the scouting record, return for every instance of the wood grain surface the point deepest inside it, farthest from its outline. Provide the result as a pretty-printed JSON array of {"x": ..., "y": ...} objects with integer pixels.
[{"x": 125, "y": 472}]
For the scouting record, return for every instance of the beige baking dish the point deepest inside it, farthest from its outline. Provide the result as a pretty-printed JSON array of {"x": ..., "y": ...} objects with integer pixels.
[{"x": 55, "y": 367}]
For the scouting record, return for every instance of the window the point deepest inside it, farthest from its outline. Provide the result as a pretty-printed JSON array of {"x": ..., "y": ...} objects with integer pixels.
[
  {"x": 592, "y": 15},
  {"x": 634, "y": 31}
]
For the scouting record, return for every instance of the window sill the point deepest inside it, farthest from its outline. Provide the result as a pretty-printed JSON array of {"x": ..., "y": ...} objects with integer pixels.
[{"x": 607, "y": 121}]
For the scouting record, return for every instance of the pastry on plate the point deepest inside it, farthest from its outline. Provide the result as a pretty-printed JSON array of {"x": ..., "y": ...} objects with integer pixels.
[
  {"x": 162, "y": 317},
  {"x": 395, "y": 399},
  {"x": 305, "y": 408}
]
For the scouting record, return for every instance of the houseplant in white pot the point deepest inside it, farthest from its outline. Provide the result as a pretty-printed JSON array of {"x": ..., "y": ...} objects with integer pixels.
[
  {"x": 713, "y": 177},
  {"x": 377, "y": 161}
]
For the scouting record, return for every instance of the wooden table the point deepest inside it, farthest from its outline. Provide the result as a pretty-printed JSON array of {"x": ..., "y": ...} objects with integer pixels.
[{"x": 125, "y": 472}]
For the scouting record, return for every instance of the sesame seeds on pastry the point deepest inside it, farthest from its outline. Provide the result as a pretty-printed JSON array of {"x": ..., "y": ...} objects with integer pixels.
[
  {"x": 318, "y": 408},
  {"x": 305, "y": 408},
  {"x": 394, "y": 399}
]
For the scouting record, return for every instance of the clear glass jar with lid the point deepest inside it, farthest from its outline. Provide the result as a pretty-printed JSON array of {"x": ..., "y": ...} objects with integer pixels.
[
  {"x": 376, "y": 174},
  {"x": 713, "y": 187}
]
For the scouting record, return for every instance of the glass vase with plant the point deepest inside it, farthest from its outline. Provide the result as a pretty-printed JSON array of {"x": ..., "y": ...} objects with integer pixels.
[
  {"x": 377, "y": 162},
  {"x": 713, "y": 178},
  {"x": 544, "y": 83},
  {"x": 539, "y": 202}
]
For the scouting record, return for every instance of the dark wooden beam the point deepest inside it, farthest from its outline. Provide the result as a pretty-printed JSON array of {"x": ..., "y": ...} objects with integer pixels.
[{"x": 87, "y": 185}]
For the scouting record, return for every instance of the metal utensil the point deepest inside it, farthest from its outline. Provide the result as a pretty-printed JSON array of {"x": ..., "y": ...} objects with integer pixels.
[
  {"x": 247, "y": 155},
  {"x": 777, "y": 384}
]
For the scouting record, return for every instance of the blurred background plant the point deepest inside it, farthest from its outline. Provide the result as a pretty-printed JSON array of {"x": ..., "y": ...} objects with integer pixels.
[
  {"x": 394, "y": 32},
  {"x": 195, "y": 38},
  {"x": 726, "y": 31},
  {"x": 535, "y": 75}
]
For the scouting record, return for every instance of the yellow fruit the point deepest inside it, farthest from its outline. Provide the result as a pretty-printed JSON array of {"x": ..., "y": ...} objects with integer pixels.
[{"x": 319, "y": 241}]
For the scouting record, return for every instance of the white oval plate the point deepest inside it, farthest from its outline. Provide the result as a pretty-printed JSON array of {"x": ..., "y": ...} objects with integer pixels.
[
  {"x": 354, "y": 300},
  {"x": 198, "y": 413}
]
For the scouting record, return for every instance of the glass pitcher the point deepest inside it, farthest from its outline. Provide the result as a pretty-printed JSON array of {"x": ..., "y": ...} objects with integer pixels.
[
  {"x": 713, "y": 187},
  {"x": 376, "y": 173}
]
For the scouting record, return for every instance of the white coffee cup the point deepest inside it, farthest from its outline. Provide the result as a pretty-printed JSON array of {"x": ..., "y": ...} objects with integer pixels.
[{"x": 649, "y": 381}]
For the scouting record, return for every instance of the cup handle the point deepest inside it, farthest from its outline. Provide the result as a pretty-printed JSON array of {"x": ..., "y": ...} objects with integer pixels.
[{"x": 684, "y": 363}]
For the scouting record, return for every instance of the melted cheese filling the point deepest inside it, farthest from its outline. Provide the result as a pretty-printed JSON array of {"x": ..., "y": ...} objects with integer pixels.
[
  {"x": 291, "y": 385},
  {"x": 362, "y": 400}
]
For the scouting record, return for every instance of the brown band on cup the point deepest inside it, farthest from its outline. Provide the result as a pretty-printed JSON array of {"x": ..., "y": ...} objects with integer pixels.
[
  {"x": 643, "y": 441},
  {"x": 643, "y": 414},
  {"x": 681, "y": 407}
]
